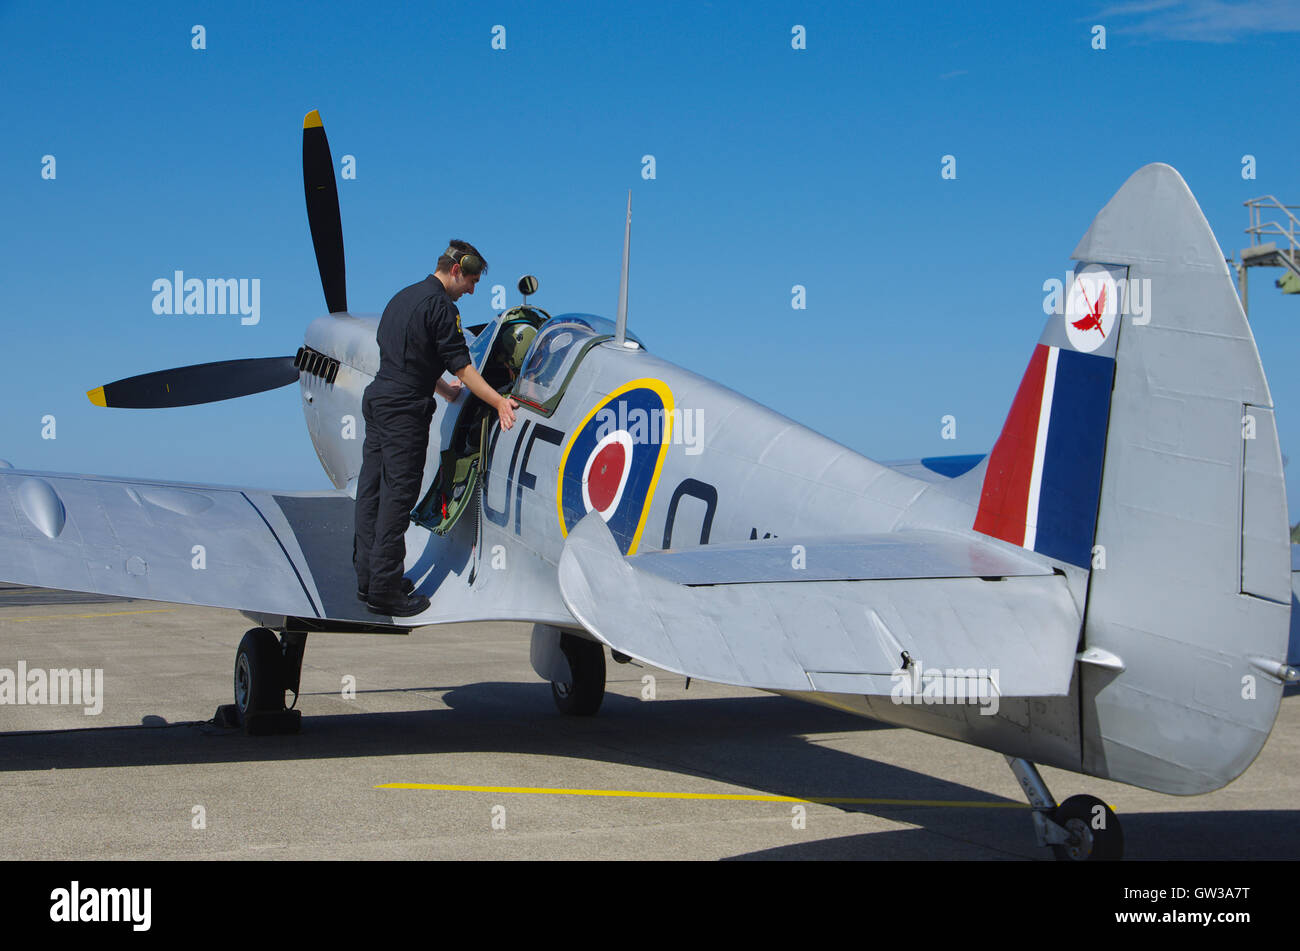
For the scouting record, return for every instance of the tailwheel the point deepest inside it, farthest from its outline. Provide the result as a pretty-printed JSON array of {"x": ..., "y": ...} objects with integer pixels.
[
  {"x": 1081, "y": 829},
  {"x": 582, "y": 695},
  {"x": 1093, "y": 830}
]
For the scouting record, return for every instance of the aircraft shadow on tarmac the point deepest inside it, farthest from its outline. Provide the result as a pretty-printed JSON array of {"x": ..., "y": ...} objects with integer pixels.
[
  {"x": 1248, "y": 835},
  {"x": 754, "y": 742},
  {"x": 26, "y": 596}
]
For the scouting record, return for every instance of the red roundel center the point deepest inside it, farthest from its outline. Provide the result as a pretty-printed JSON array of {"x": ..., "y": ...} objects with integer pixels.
[{"x": 606, "y": 474}]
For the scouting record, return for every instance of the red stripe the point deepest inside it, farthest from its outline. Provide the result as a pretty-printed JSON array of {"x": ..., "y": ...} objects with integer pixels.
[{"x": 1005, "y": 497}]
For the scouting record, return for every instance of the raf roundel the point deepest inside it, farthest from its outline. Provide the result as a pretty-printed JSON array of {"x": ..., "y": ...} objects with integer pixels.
[
  {"x": 613, "y": 460},
  {"x": 605, "y": 475}
]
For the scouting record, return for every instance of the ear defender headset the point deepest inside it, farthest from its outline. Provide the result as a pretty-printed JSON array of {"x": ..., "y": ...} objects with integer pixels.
[{"x": 471, "y": 264}]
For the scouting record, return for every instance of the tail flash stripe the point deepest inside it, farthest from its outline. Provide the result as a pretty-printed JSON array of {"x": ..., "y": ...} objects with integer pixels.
[
  {"x": 1040, "y": 446},
  {"x": 1004, "y": 499},
  {"x": 1076, "y": 449},
  {"x": 1043, "y": 480}
]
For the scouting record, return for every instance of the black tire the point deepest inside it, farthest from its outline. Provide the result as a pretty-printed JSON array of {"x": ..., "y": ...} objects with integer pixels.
[
  {"x": 259, "y": 675},
  {"x": 1095, "y": 834},
  {"x": 581, "y": 697}
]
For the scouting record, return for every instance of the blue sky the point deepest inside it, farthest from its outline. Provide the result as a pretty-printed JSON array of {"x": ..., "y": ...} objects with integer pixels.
[{"x": 774, "y": 167}]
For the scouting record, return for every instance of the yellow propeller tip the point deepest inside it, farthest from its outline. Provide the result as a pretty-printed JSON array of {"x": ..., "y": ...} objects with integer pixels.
[
  {"x": 97, "y": 396},
  {"x": 312, "y": 120}
]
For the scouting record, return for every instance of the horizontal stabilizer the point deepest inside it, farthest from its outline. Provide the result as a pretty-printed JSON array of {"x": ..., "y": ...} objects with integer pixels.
[{"x": 808, "y": 632}]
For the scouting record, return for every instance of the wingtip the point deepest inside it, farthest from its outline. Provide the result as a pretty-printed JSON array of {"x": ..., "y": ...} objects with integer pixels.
[
  {"x": 312, "y": 120},
  {"x": 96, "y": 396}
]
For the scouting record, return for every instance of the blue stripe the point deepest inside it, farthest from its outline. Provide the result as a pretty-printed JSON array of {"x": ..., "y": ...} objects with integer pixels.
[{"x": 1076, "y": 449}]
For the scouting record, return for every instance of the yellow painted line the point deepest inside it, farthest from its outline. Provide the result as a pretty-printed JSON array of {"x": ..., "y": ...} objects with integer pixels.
[
  {"x": 56, "y": 617},
  {"x": 725, "y": 797}
]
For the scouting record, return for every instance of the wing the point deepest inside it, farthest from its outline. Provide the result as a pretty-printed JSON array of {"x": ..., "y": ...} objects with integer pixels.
[
  {"x": 219, "y": 546},
  {"x": 748, "y": 614},
  {"x": 936, "y": 468},
  {"x": 254, "y": 550}
]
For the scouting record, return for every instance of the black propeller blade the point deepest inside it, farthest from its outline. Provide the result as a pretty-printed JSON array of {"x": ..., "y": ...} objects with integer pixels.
[
  {"x": 202, "y": 383},
  {"x": 323, "y": 212},
  {"x": 228, "y": 379}
]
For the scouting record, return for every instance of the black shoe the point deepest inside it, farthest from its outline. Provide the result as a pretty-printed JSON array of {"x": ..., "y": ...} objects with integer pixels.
[
  {"x": 407, "y": 587},
  {"x": 405, "y": 606}
]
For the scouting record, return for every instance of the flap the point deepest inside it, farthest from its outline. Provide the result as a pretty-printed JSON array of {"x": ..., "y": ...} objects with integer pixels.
[{"x": 915, "y": 554}]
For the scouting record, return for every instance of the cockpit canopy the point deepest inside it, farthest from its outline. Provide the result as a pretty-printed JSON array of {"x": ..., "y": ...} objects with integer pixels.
[{"x": 560, "y": 344}]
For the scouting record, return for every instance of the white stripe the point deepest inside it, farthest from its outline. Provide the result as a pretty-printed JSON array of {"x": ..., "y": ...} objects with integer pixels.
[{"x": 1040, "y": 448}]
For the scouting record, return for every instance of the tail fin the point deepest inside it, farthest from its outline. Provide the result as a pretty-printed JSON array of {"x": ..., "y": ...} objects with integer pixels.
[{"x": 1142, "y": 447}]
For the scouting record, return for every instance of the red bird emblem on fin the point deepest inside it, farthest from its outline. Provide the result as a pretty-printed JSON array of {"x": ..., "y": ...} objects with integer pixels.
[{"x": 1092, "y": 320}]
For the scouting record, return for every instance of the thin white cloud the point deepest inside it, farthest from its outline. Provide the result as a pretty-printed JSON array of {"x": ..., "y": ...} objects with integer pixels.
[{"x": 1203, "y": 21}]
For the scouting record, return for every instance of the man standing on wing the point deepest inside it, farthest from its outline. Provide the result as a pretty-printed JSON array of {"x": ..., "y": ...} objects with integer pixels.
[{"x": 419, "y": 338}]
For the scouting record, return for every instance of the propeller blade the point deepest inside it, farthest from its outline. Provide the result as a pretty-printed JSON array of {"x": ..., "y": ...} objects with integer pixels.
[
  {"x": 323, "y": 212},
  {"x": 201, "y": 383}
]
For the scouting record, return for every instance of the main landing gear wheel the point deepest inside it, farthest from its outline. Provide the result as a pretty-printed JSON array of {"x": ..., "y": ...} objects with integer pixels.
[
  {"x": 1081, "y": 829},
  {"x": 582, "y": 695},
  {"x": 261, "y": 677},
  {"x": 1094, "y": 831}
]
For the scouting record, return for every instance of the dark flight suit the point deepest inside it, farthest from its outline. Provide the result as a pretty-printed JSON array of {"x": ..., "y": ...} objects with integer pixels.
[{"x": 419, "y": 337}]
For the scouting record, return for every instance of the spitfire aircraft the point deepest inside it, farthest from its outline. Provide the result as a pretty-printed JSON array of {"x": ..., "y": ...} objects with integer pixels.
[{"x": 1108, "y": 591}]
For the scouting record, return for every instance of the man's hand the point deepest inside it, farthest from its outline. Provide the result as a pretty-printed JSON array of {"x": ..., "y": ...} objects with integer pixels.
[
  {"x": 448, "y": 391},
  {"x": 504, "y": 405},
  {"x": 506, "y": 412}
]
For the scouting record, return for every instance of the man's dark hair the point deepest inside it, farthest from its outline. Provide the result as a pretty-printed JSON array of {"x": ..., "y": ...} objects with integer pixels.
[{"x": 461, "y": 248}]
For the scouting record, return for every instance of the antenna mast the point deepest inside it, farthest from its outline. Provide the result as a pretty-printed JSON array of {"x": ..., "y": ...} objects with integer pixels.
[{"x": 620, "y": 334}]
